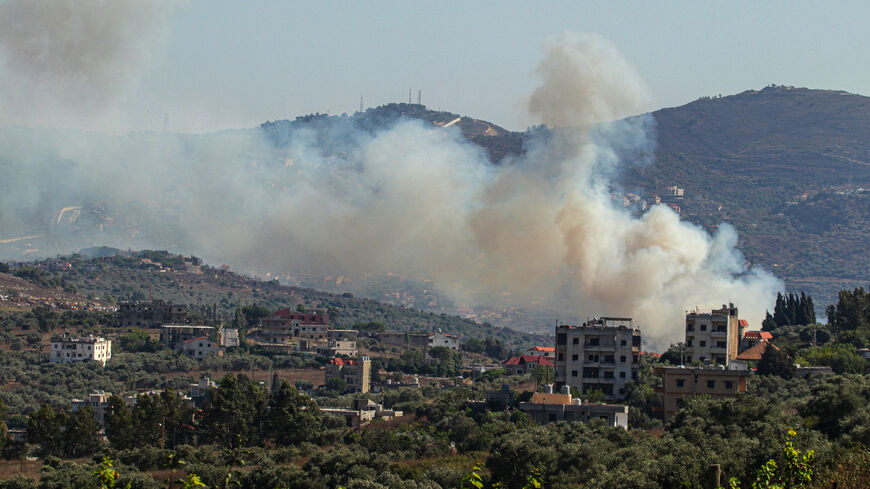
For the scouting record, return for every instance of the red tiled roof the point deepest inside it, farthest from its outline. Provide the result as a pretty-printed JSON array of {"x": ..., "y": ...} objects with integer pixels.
[
  {"x": 342, "y": 361},
  {"x": 756, "y": 351},
  {"x": 523, "y": 359},
  {"x": 542, "y": 348},
  {"x": 196, "y": 339},
  {"x": 758, "y": 335},
  {"x": 743, "y": 322}
]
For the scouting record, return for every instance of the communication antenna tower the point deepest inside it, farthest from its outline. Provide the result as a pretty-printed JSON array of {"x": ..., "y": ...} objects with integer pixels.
[
  {"x": 419, "y": 97},
  {"x": 409, "y": 96}
]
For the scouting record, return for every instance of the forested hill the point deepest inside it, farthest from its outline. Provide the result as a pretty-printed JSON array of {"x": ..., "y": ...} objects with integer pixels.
[
  {"x": 788, "y": 167},
  {"x": 126, "y": 277}
]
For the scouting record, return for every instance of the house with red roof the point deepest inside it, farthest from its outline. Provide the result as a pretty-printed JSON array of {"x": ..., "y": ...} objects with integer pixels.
[
  {"x": 524, "y": 364},
  {"x": 752, "y": 338},
  {"x": 542, "y": 351},
  {"x": 201, "y": 347},
  {"x": 355, "y": 372}
]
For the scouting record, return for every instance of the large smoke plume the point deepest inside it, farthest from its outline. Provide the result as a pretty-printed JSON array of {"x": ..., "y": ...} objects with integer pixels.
[
  {"x": 70, "y": 62},
  {"x": 537, "y": 230}
]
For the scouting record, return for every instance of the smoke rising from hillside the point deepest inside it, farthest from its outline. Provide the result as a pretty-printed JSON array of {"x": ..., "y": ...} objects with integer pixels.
[
  {"x": 67, "y": 62},
  {"x": 538, "y": 230}
]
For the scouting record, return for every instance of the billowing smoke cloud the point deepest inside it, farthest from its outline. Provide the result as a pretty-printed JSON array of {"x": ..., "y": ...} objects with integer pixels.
[
  {"x": 539, "y": 230},
  {"x": 69, "y": 62}
]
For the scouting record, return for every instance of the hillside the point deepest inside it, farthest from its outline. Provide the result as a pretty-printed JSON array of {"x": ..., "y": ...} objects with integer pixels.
[
  {"x": 788, "y": 167},
  {"x": 174, "y": 278}
]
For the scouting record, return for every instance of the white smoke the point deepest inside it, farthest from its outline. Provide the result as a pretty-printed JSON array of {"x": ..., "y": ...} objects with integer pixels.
[
  {"x": 538, "y": 230},
  {"x": 70, "y": 62}
]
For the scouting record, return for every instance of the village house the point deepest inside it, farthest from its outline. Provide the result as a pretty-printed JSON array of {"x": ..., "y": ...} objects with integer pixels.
[
  {"x": 174, "y": 335},
  {"x": 201, "y": 347},
  {"x": 285, "y": 325},
  {"x": 524, "y": 364},
  {"x": 752, "y": 338},
  {"x": 68, "y": 350},
  {"x": 363, "y": 412},
  {"x": 542, "y": 351},
  {"x": 602, "y": 354},
  {"x": 552, "y": 408},
  {"x": 404, "y": 340},
  {"x": 355, "y": 372},
  {"x": 444, "y": 340},
  {"x": 151, "y": 314},
  {"x": 679, "y": 383}
]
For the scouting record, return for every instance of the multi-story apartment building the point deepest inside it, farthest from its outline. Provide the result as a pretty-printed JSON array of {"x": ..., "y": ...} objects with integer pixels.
[
  {"x": 151, "y": 314},
  {"x": 679, "y": 383},
  {"x": 285, "y": 324},
  {"x": 97, "y": 400},
  {"x": 355, "y": 372},
  {"x": 713, "y": 337},
  {"x": 174, "y": 335},
  {"x": 602, "y": 354},
  {"x": 68, "y": 350}
]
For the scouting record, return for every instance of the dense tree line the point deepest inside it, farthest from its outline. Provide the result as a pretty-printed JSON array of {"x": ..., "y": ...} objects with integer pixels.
[{"x": 790, "y": 309}]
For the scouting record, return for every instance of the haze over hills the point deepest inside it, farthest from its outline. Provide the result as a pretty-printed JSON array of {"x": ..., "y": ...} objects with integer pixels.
[{"x": 787, "y": 167}]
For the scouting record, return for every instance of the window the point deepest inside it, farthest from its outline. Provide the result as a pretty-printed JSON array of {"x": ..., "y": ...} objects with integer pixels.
[
  {"x": 689, "y": 342},
  {"x": 573, "y": 373},
  {"x": 622, "y": 358},
  {"x": 711, "y": 384},
  {"x": 608, "y": 358},
  {"x": 623, "y": 343},
  {"x": 720, "y": 344},
  {"x": 729, "y": 384},
  {"x": 561, "y": 356},
  {"x": 574, "y": 357},
  {"x": 608, "y": 375},
  {"x": 681, "y": 382},
  {"x": 703, "y": 327},
  {"x": 702, "y": 343},
  {"x": 690, "y": 327},
  {"x": 593, "y": 341},
  {"x": 621, "y": 375},
  {"x": 575, "y": 341}
]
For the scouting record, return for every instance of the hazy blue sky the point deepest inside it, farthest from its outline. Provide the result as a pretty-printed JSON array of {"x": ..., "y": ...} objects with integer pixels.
[{"x": 226, "y": 63}]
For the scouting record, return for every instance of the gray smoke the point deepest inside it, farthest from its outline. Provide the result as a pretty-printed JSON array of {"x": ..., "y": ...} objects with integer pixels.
[
  {"x": 69, "y": 62},
  {"x": 537, "y": 231}
]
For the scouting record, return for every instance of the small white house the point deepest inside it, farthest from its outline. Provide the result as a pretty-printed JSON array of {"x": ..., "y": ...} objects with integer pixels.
[
  {"x": 68, "y": 350},
  {"x": 445, "y": 340},
  {"x": 201, "y": 347}
]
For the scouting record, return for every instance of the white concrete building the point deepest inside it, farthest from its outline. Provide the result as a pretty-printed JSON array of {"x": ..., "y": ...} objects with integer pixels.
[
  {"x": 445, "y": 340},
  {"x": 602, "y": 354},
  {"x": 68, "y": 350}
]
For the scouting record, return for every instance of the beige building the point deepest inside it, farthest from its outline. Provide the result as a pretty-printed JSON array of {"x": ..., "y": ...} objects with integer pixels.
[
  {"x": 69, "y": 350},
  {"x": 713, "y": 337},
  {"x": 151, "y": 314},
  {"x": 679, "y": 383},
  {"x": 355, "y": 372},
  {"x": 552, "y": 408},
  {"x": 97, "y": 400},
  {"x": 602, "y": 354}
]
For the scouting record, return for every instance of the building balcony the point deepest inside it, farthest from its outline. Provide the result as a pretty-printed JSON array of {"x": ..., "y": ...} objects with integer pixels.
[{"x": 719, "y": 334}]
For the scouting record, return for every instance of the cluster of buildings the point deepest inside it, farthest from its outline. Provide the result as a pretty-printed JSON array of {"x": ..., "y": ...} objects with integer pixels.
[{"x": 602, "y": 355}]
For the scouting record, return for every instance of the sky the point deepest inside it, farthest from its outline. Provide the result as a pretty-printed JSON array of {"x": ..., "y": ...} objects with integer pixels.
[{"x": 216, "y": 64}]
